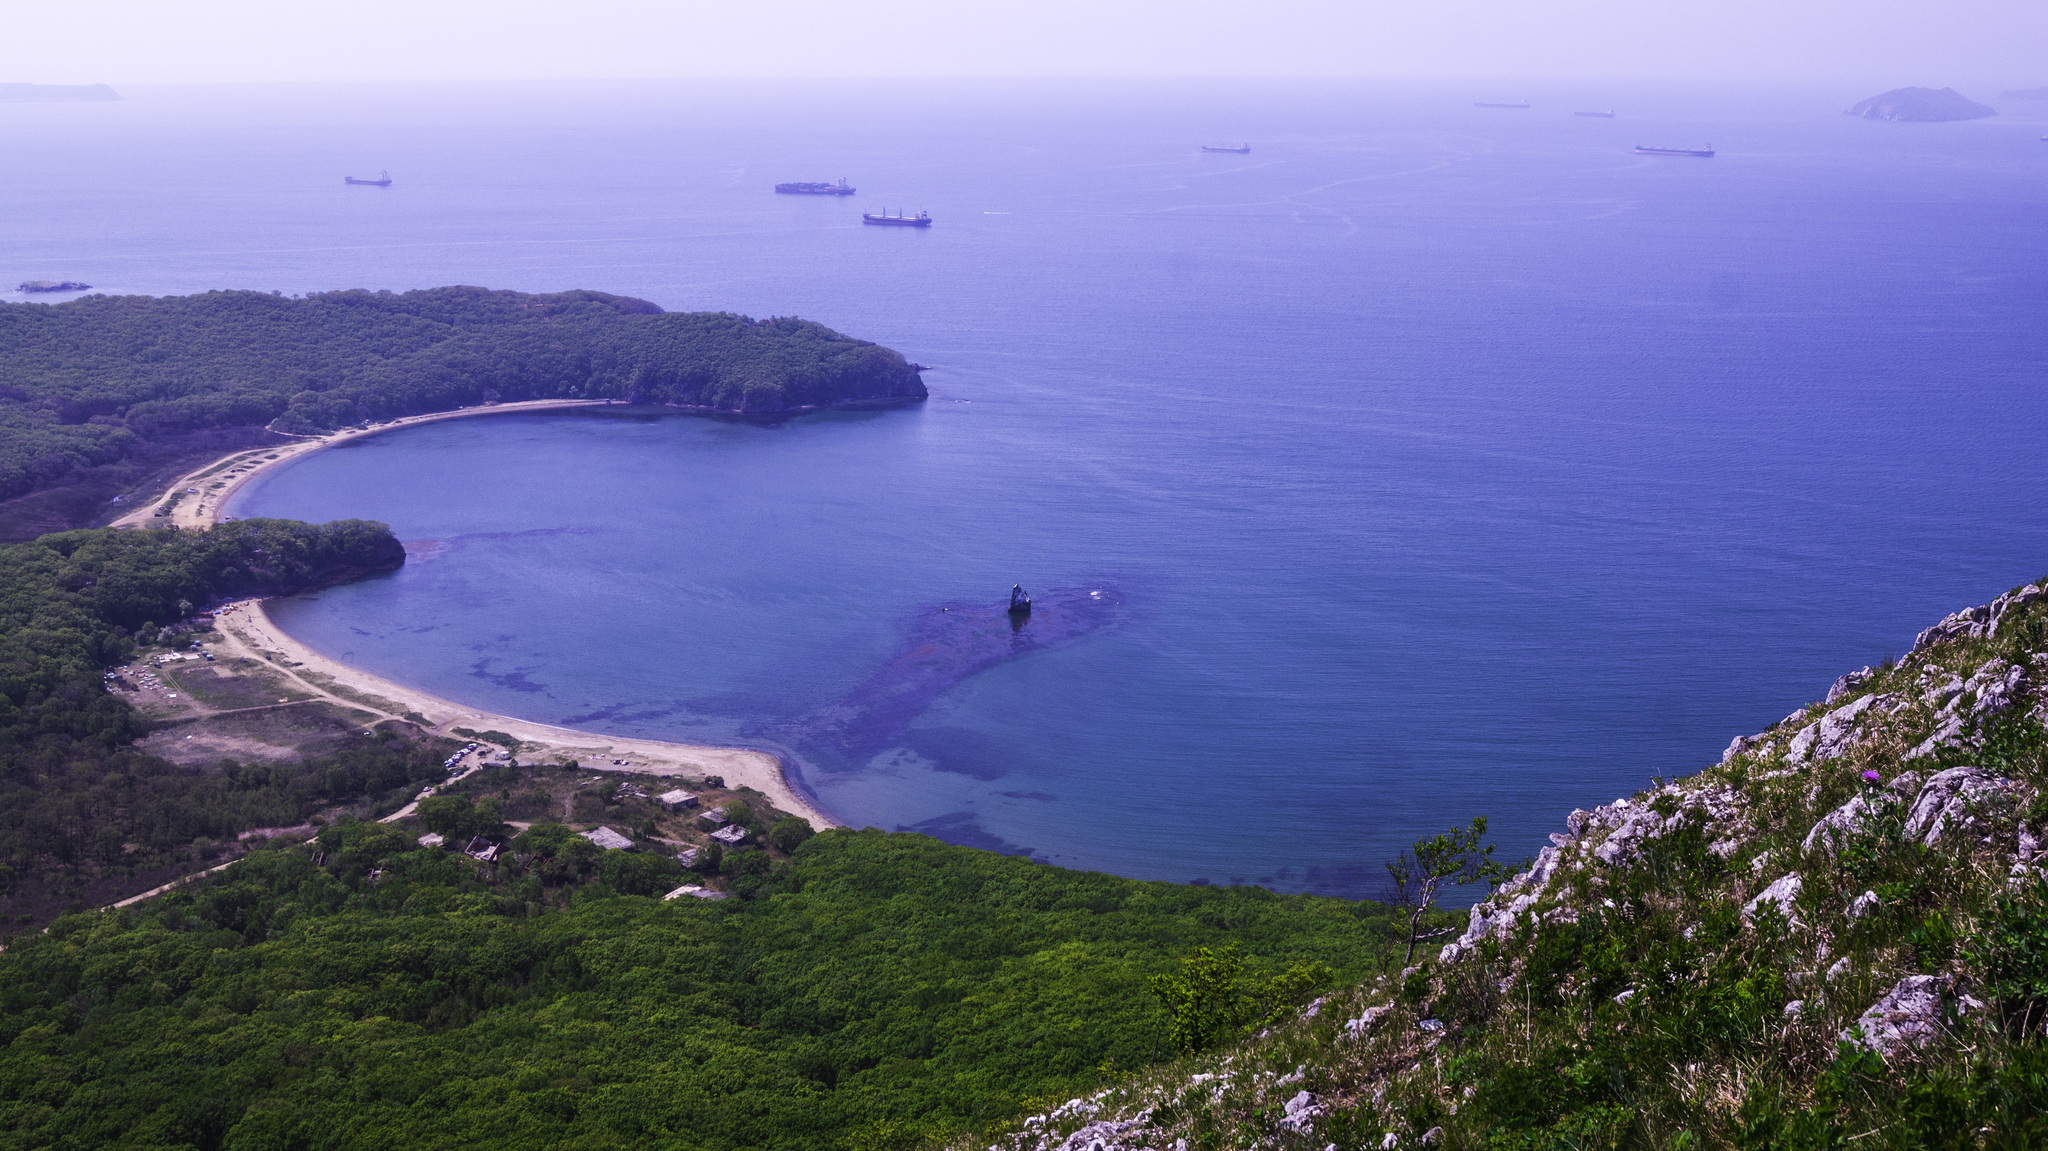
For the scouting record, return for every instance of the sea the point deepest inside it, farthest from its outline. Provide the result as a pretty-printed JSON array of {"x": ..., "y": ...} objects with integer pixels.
[{"x": 1426, "y": 462}]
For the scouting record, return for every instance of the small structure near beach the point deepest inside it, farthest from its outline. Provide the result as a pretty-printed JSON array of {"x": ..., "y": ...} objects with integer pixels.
[
  {"x": 688, "y": 856},
  {"x": 695, "y": 891},
  {"x": 713, "y": 817},
  {"x": 432, "y": 839},
  {"x": 730, "y": 836},
  {"x": 676, "y": 800},
  {"x": 608, "y": 839},
  {"x": 483, "y": 850}
]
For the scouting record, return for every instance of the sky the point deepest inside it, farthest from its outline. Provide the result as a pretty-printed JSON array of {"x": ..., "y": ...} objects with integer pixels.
[{"x": 1891, "y": 42}]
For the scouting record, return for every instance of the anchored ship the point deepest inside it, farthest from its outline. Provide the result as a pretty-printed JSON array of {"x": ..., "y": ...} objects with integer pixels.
[
  {"x": 383, "y": 180},
  {"x": 1646, "y": 150},
  {"x": 842, "y": 188},
  {"x": 899, "y": 220},
  {"x": 1241, "y": 149},
  {"x": 1601, "y": 115}
]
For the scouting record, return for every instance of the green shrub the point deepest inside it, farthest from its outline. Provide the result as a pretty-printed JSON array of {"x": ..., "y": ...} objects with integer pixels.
[
  {"x": 789, "y": 833},
  {"x": 2010, "y": 957},
  {"x": 1208, "y": 1001}
]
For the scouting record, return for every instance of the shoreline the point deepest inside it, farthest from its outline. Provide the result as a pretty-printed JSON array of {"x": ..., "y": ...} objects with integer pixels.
[
  {"x": 247, "y": 624},
  {"x": 204, "y": 510}
]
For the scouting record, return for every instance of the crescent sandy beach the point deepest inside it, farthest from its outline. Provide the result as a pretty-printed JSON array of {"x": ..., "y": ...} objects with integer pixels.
[{"x": 195, "y": 501}]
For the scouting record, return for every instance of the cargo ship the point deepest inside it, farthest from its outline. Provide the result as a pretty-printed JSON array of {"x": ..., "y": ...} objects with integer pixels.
[
  {"x": 1600, "y": 115},
  {"x": 383, "y": 180},
  {"x": 1486, "y": 104},
  {"x": 1646, "y": 150},
  {"x": 842, "y": 188},
  {"x": 1241, "y": 149},
  {"x": 899, "y": 220}
]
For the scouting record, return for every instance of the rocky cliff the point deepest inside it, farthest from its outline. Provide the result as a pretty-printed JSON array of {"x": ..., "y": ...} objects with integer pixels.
[
  {"x": 1926, "y": 104},
  {"x": 1835, "y": 936}
]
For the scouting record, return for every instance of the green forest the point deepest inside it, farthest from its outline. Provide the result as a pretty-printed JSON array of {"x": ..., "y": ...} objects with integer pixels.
[
  {"x": 82, "y": 810},
  {"x": 86, "y": 383},
  {"x": 874, "y": 990}
]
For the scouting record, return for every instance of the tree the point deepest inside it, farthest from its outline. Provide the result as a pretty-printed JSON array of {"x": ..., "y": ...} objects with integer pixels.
[
  {"x": 789, "y": 833},
  {"x": 1455, "y": 858},
  {"x": 1201, "y": 999},
  {"x": 457, "y": 819},
  {"x": 1206, "y": 1001}
]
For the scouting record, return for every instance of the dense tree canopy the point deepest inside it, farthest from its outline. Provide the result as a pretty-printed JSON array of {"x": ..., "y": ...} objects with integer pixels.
[
  {"x": 82, "y": 382},
  {"x": 391, "y": 996},
  {"x": 77, "y": 802}
]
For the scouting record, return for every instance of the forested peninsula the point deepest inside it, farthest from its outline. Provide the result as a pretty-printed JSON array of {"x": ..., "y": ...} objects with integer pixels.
[{"x": 99, "y": 381}]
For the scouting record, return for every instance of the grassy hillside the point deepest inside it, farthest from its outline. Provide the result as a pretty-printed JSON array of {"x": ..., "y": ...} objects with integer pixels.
[
  {"x": 1837, "y": 937},
  {"x": 88, "y": 383}
]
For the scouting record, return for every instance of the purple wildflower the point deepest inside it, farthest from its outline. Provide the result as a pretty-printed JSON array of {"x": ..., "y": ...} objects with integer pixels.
[{"x": 1872, "y": 777}]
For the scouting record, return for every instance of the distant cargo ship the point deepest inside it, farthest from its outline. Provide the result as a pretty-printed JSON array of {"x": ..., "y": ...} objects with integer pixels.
[
  {"x": 1601, "y": 115},
  {"x": 899, "y": 220},
  {"x": 842, "y": 188},
  {"x": 1485, "y": 104},
  {"x": 1646, "y": 150},
  {"x": 383, "y": 180},
  {"x": 1241, "y": 149}
]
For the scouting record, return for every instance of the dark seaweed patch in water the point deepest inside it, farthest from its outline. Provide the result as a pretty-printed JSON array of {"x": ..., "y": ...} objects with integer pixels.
[
  {"x": 1040, "y": 796},
  {"x": 514, "y": 680},
  {"x": 963, "y": 829},
  {"x": 945, "y": 647},
  {"x": 618, "y": 712},
  {"x": 1346, "y": 880},
  {"x": 961, "y": 751}
]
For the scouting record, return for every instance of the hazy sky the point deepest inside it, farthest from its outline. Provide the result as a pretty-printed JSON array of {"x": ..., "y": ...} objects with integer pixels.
[{"x": 1892, "y": 41}]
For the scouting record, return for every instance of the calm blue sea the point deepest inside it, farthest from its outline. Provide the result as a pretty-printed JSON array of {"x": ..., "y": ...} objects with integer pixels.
[{"x": 1438, "y": 461}]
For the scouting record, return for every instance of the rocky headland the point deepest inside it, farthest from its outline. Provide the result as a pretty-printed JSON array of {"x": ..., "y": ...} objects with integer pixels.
[
  {"x": 1921, "y": 105},
  {"x": 1835, "y": 936}
]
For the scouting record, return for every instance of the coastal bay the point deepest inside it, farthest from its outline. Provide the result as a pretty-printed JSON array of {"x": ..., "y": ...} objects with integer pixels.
[
  {"x": 198, "y": 499},
  {"x": 1419, "y": 467},
  {"x": 1374, "y": 562}
]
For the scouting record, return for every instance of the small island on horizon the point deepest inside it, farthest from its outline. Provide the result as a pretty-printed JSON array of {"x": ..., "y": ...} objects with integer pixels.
[{"x": 1921, "y": 105}]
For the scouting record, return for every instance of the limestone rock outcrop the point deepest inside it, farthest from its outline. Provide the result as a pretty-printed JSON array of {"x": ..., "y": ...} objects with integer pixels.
[{"x": 1905, "y": 1018}]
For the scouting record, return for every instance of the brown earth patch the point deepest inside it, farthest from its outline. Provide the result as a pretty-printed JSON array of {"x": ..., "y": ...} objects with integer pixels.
[
  {"x": 272, "y": 734},
  {"x": 230, "y": 686}
]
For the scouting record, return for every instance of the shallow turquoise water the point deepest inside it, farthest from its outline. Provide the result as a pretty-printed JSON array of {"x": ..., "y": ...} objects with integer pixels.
[{"x": 1440, "y": 462}]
